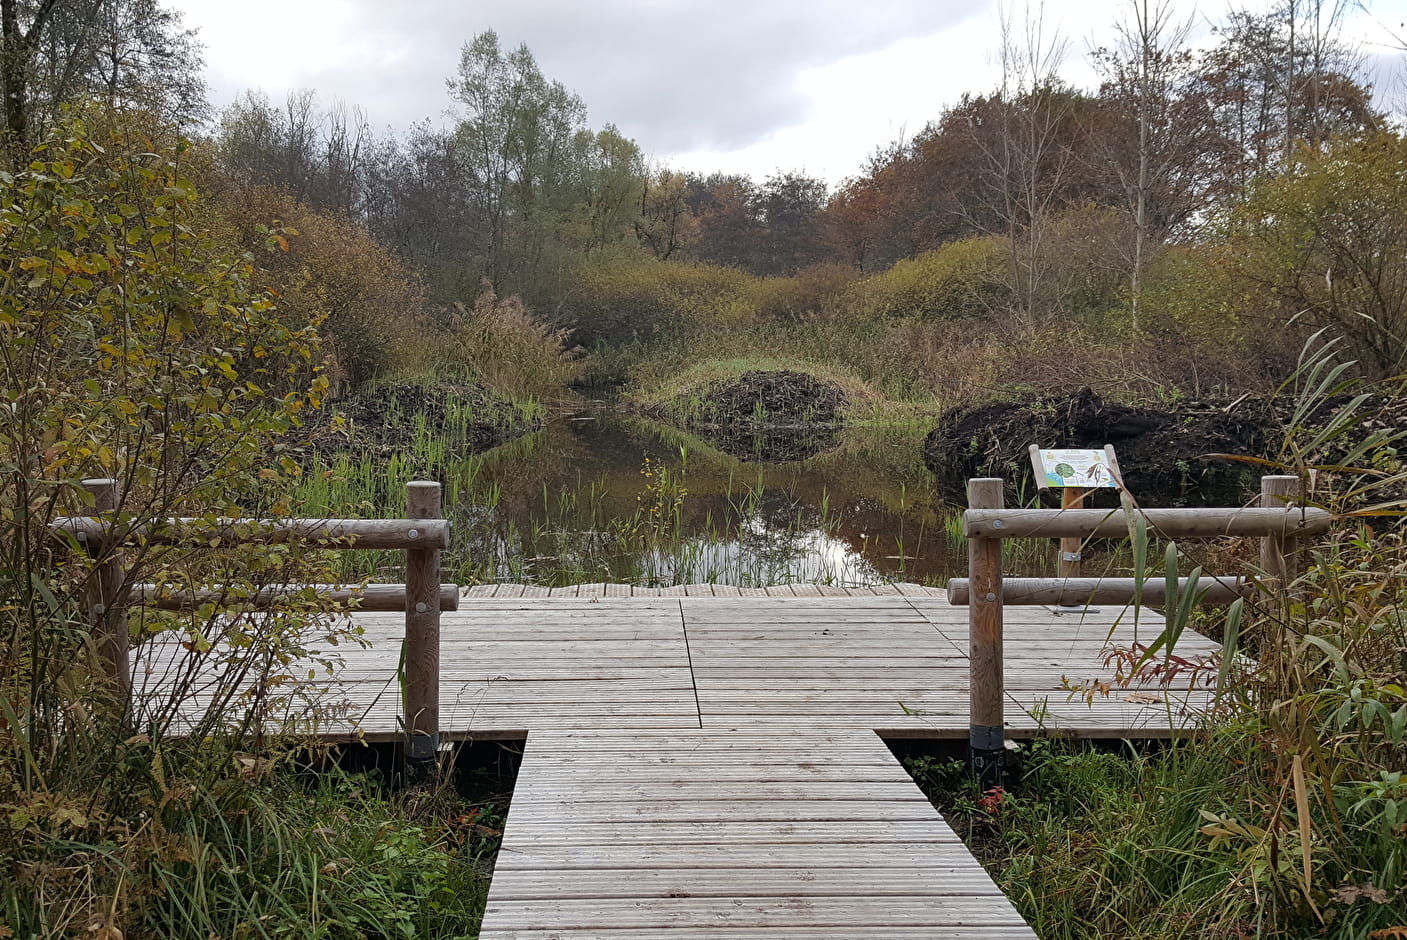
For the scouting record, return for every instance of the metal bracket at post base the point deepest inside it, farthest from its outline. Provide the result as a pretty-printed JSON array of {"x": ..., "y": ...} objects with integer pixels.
[
  {"x": 987, "y": 755},
  {"x": 421, "y": 755}
]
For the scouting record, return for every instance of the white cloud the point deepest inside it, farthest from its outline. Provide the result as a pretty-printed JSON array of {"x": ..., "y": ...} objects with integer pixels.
[{"x": 747, "y": 86}]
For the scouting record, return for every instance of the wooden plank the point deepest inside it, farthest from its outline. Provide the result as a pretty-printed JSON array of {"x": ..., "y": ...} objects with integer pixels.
[
  {"x": 623, "y": 832},
  {"x": 833, "y": 590},
  {"x": 614, "y": 881},
  {"x": 785, "y": 807},
  {"x": 566, "y": 856},
  {"x": 771, "y": 932},
  {"x": 825, "y": 915},
  {"x": 528, "y": 832},
  {"x": 644, "y": 792}
]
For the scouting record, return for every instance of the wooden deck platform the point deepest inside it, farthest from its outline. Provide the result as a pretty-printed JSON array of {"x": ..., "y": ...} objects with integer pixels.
[
  {"x": 705, "y": 761},
  {"x": 892, "y": 663}
]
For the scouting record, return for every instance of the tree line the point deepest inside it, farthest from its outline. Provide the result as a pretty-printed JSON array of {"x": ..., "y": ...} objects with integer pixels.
[{"x": 1046, "y": 199}]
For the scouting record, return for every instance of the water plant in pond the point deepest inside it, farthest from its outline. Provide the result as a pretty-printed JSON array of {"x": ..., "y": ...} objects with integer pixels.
[{"x": 630, "y": 501}]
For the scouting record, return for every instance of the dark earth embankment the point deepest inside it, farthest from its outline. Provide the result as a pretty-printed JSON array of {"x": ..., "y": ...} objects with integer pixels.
[
  {"x": 1163, "y": 454},
  {"x": 764, "y": 416},
  {"x": 388, "y": 419}
]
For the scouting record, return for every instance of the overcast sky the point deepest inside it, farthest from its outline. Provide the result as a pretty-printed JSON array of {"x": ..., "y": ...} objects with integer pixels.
[{"x": 750, "y": 86}]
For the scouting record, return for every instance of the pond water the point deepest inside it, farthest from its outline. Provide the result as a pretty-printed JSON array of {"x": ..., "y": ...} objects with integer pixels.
[{"x": 600, "y": 496}]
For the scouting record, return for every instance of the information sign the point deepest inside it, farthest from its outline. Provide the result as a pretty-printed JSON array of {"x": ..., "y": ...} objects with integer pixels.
[{"x": 1086, "y": 469}]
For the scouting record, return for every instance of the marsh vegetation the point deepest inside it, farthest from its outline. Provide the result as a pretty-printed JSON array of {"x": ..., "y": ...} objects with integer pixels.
[{"x": 282, "y": 315}]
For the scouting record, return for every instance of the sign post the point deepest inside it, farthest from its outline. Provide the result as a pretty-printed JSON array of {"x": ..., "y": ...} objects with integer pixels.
[
  {"x": 1074, "y": 473},
  {"x": 1071, "y": 497}
]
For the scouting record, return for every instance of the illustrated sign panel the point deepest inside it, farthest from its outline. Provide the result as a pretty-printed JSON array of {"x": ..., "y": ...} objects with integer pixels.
[{"x": 1083, "y": 468}]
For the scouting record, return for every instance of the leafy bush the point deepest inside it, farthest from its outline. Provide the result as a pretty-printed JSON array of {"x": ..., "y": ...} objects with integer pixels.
[
  {"x": 375, "y": 320},
  {"x": 501, "y": 344},
  {"x": 650, "y": 300},
  {"x": 136, "y": 344},
  {"x": 1321, "y": 245},
  {"x": 960, "y": 280},
  {"x": 807, "y": 294}
]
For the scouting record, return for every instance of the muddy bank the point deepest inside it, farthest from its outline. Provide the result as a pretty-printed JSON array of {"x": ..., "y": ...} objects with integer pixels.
[
  {"x": 772, "y": 416},
  {"x": 465, "y": 417},
  {"x": 1162, "y": 453}
]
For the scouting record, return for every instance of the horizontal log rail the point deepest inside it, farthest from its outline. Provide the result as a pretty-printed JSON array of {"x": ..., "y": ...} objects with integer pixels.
[
  {"x": 1078, "y": 592},
  {"x": 1279, "y": 525},
  {"x": 376, "y": 598},
  {"x": 1286, "y": 522},
  {"x": 422, "y": 536},
  {"x": 403, "y": 534}
]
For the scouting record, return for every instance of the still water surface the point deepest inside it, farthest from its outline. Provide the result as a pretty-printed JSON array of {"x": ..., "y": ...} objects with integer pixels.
[{"x": 599, "y": 496}]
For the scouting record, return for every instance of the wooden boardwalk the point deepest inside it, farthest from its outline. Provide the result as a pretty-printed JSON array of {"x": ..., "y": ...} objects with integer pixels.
[
  {"x": 705, "y": 761},
  {"x": 695, "y": 833}
]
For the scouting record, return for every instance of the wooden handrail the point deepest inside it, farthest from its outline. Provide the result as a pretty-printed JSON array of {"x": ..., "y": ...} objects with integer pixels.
[
  {"x": 422, "y": 535},
  {"x": 363, "y": 598},
  {"x": 1285, "y": 522},
  {"x": 404, "y": 534},
  {"x": 985, "y": 591},
  {"x": 1082, "y": 591}
]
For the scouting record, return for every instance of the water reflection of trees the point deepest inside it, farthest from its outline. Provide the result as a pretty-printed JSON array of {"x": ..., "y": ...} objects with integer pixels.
[
  {"x": 772, "y": 444},
  {"x": 556, "y": 509}
]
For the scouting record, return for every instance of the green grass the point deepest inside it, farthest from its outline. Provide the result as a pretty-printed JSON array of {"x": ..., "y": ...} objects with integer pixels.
[
  {"x": 679, "y": 396},
  {"x": 875, "y": 361},
  {"x": 202, "y": 839}
]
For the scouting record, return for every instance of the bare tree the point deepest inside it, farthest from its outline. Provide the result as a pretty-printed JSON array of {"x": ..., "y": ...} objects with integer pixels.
[
  {"x": 1027, "y": 157},
  {"x": 1143, "y": 78},
  {"x": 21, "y": 28},
  {"x": 128, "y": 53}
]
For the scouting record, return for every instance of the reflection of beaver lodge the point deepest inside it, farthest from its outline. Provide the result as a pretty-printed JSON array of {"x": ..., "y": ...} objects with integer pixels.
[
  {"x": 770, "y": 416},
  {"x": 1162, "y": 453}
]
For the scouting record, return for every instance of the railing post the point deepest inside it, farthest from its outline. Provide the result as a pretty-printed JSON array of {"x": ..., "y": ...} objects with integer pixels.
[
  {"x": 1279, "y": 556},
  {"x": 106, "y": 616},
  {"x": 422, "y": 636},
  {"x": 987, "y": 724},
  {"x": 1071, "y": 497}
]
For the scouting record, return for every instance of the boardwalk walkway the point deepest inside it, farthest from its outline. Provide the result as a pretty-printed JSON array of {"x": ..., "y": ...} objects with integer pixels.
[
  {"x": 621, "y": 834},
  {"x": 705, "y": 761}
]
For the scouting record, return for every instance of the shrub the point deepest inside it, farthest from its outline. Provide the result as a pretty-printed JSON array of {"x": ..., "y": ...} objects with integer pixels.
[
  {"x": 960, "y": 280},
  {"x": 807, "y": 294},
  {"x": 1326, "y": 242},
  {"x": 500, "y": 343},
  {"x": 135, "y": 344},
  {"x": 375, "y": 319},
  {"x": 649, "y": 300}
]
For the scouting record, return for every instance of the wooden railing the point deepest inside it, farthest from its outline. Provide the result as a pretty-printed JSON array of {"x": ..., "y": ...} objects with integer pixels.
[
  {"x": 422, "y": 535},
  {"x": 985, "y": 591}
]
